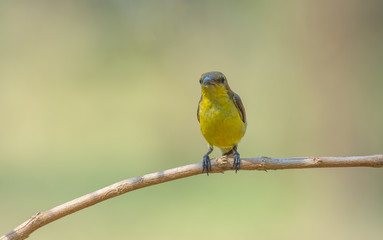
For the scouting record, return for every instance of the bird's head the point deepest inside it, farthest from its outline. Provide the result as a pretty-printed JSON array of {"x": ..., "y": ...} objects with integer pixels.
[{"x": 214, "y": 83}]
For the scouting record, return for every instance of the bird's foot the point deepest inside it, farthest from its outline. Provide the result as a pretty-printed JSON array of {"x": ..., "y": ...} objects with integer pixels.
[
  {"x": 236, "y": 161},
  {"x": 206, "y": 164}
]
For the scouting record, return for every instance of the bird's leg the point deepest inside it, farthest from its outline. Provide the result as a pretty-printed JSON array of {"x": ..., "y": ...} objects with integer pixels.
[
  {"x": 236, "y": 159},
  {"x": 206, "y": 161}
]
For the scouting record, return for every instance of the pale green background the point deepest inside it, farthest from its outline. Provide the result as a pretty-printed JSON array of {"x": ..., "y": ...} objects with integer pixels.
[{"x": 93, "y": 92}]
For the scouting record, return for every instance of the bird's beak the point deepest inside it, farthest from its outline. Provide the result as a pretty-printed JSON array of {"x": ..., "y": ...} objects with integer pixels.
[{"x": 208, "y": 81}]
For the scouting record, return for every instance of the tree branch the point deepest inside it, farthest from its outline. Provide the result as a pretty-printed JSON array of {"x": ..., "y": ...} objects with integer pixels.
[{"x": 218, "y": 165}]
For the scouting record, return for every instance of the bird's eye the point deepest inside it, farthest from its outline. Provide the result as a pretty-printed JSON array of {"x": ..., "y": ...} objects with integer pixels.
[
  {"x": 222, "y": 80},
  {"x": 200, "y": 81}
]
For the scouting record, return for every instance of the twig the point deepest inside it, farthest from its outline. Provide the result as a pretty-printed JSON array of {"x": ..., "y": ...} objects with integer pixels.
[{"x": 218, "y": 165}]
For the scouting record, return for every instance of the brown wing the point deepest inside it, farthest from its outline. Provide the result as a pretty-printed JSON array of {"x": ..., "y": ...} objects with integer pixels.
[
  {"x": 198, "y": 108},
  {"x": 241, "y": 109}
]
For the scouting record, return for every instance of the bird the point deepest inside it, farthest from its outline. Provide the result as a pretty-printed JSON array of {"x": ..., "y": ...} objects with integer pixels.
[{"x": 221, "y": 116}]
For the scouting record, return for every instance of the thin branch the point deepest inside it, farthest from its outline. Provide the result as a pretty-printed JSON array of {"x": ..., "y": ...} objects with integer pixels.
[{"x": 218, "y": 165}]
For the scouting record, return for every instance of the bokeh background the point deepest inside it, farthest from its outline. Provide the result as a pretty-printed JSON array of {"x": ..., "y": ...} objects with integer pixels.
[{"x": 94, "y": 92}]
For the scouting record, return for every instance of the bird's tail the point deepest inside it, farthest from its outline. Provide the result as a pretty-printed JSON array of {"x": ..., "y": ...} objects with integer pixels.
[{"x": 228, "y": 152}]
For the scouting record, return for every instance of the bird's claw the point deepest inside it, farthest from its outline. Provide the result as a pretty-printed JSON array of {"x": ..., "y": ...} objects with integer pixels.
[
  {"x": 236, "y": 161},
  {"x": 206, "y": 164}
]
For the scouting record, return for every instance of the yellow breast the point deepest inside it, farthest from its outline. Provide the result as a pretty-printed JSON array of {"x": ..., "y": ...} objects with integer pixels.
[{"x": 220, "y": 121}]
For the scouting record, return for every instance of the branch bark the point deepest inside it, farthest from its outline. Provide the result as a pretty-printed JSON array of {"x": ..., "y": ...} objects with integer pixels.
[{"x": 218, "y": 165}]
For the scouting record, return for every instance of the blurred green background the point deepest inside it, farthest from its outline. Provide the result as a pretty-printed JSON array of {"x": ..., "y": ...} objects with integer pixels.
[{"x": 93, "y": 92}]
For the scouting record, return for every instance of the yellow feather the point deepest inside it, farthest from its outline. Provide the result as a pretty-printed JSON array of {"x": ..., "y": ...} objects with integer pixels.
[{"x": 220, "y": 120}]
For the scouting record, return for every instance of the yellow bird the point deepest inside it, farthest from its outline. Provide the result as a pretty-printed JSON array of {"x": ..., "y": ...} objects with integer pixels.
[{"x": 222, "y": 117}]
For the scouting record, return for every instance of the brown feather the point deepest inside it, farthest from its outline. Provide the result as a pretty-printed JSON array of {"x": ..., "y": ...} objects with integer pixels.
[
  {"x": 200, "y": 100},
  {"x": 238, "y": 103}
]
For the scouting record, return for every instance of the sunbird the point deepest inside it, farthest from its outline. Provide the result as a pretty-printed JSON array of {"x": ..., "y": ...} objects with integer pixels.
[{"x": 222, "y": 117}]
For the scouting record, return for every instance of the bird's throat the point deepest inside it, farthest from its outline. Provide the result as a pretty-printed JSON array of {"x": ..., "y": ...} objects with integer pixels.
[{"x": 215, "y": 92}]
